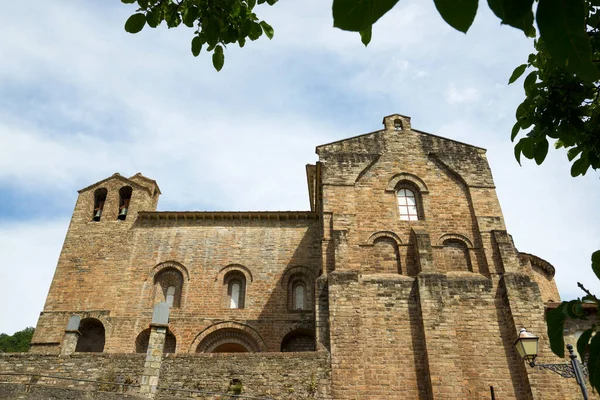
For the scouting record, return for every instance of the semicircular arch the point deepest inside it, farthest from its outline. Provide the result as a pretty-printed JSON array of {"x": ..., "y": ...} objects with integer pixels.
[
  {"x": 170, "y": 264},
  {"x": 388, "y": 234},
  {"x": 304, "y": 271},
  {"x": 406, "y": 177},
  {"x": 215, "y": 334},
  {"x": 455, "y": 236},
  {"x": 234, "y": 267}
]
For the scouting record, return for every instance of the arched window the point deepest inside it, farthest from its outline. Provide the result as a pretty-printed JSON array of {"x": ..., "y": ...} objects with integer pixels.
[
  {"x": 168, "y": 286},
  {"x": 99, "y": 199},
  {"x": 300, "y": 297},
  {"x": 124, "y": 198},
  {"x": 235, "y": 281},
  {"x": 299, "y": 292},
  {"x": 170, "y": 295},
  {"x": 407, "y": 205},
  {"x": 92, "y": 336}
]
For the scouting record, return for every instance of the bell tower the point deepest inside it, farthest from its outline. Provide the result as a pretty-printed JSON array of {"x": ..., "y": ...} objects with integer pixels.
[{"x": 94, "y": 255}]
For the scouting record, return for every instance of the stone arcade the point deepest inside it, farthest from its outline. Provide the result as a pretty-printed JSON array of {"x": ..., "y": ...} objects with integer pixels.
[{"x": 401, "y": 281}]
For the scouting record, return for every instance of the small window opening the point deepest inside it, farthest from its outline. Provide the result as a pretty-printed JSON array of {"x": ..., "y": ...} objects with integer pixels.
[
  {"x": 170, "y": 295},
  {"x": 397, "y": 124},
  {"x": 299, "y": 295},
  {"x": 99, "y": 199},
  {"x": 124, "y": 197},
  {"x": 234, "y": 290},
  {"x": 407, "y": 205}
]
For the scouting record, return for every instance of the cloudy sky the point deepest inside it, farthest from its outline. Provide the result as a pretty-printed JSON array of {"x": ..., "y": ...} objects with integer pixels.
[{"x": 80, "y": 99}]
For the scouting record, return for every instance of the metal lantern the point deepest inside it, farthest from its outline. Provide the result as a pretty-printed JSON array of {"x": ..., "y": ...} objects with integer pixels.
[{"x": 527, "y": 345}]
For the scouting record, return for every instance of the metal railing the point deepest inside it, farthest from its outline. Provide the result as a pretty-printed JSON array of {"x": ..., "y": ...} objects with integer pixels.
[{"x": 33, "y": 377}]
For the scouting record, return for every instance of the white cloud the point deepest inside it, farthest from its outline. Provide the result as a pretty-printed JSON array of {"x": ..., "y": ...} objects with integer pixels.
[
  {"x": 459, "y": 96},
  {"x": 29, "y": 254}
]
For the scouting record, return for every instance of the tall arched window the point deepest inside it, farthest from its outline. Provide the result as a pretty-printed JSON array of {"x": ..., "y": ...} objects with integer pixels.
[
  {"x": 99, "y": 199},
  {"x": 235, "y": 281},
  {"x": 124, "y": 198},
  {"x": 168, "y": 286},
  {"x": 299, "y": 292},
  {"x": 407, "y": 205},
  {"x": 300, "y": 297}
]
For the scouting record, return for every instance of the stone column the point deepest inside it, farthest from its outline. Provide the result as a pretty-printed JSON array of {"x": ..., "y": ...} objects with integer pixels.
[
  {"x": 71, "y": 337},
  {"x": 156, "y": 344},
  {"x": 153, "y": 362}
]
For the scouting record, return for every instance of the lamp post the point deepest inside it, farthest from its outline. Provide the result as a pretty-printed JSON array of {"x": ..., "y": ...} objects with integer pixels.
[{"x": 527, "y": 347}]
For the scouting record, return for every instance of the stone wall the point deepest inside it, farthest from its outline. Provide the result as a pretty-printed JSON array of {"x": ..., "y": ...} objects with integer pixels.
[
  {"x": 269, "y": 375},
  {"x": 117, "y": 368},
  {"x": 111, "y": 278}
]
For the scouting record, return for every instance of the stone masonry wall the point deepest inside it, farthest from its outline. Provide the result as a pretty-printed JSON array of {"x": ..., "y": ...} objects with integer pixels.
[
  {"x": 119, "y": 368},
  {"x": 106, "y": 272},
  {"x": 270, "y": 375}
]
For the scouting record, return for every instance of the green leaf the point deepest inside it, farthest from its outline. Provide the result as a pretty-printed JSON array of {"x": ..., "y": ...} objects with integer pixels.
[
  {"x": 152, "y": 19},
  {"x": 517, "y": 73},
  {"x": 583, "y": 341},
  {"x": 515, "y": 131},
  {"x": 562, "y": 28},
  {"x": 128, "y": 1},
  {"x": 596, "y": 263},
  {"x": 218, "y": 58},
  {"x": 541, "y": 150},
  {"x": 518, "y": 147},
  {"x": 580, "y": 166},
  {"x": 190, "y": 15},
  {"x": 358, "y": 15},
  {"x": 251, "y": 4},
  {"x": 516, "y": 13},
  {"x": 527, "y": 147},
  {"x": 255, "y": 31},
  {"x": 196, "y": 45},
  {"x": 594, "y": 362},
  {"x": 135, "y": 23},
  {"x": 271, "y": 2},
  {"x": 365, "y": 35},
  {"x": 555, "y": 321},
  {"x": 572, "y": 153},
  {"x": 459, "y": 14},
  {"x": 267, "y": 29},
  {"x": 529, "y": 82}
]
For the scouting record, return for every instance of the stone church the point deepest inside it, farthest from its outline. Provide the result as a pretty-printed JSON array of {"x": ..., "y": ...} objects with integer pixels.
[{"x": 401, "y": 281}]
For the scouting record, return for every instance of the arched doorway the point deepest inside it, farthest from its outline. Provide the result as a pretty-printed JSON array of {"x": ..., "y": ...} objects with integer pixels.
[
  {"x": 92, "y": 336},
  {"x": 299, "y": 340}
]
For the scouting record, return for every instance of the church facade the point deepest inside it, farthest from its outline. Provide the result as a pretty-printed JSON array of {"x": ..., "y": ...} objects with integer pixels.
[{"x": 402, "y": 274}]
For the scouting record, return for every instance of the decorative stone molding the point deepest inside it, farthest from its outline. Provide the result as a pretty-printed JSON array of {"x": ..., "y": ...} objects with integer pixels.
[
  {"x": 227, "y": 332},
  {"x": 454, "y": 236},
  {"x": 405, "y": 176}
]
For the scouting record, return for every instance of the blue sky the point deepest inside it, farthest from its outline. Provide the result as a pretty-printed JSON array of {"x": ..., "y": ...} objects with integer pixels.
[{"x": 80, "y": 99}]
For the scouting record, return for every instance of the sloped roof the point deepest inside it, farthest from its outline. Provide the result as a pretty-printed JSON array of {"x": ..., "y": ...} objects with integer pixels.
[{"x": 118, "y": 176}]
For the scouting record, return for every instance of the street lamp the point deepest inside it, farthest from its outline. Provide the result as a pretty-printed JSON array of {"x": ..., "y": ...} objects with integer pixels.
[{"x": 527, "y": 347}]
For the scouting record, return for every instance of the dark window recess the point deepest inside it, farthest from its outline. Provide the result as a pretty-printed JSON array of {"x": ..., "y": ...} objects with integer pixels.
[
  {"x": 124, "y": 198},
  {"x": 99, "y": 199}
]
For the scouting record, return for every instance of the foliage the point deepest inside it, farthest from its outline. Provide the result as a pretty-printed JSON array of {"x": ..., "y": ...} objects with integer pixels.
[
  {"x": 588, "y": 344},
  {"x": 19, "y": 342},
  {"x": 560, "y": 105},
  {"x": 216, "y": 23}
]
